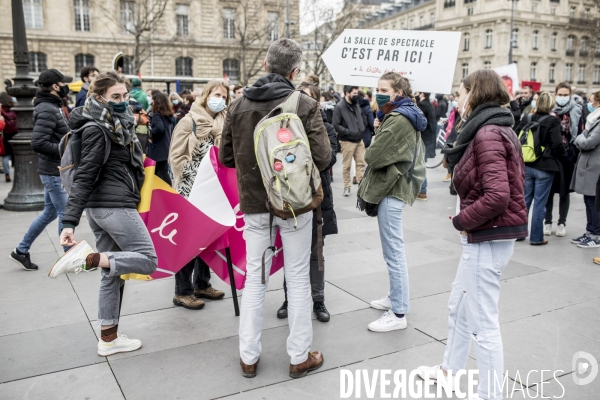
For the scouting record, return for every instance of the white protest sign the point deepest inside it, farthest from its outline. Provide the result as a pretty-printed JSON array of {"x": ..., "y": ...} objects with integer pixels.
[
  {"x": 426, "y": 58},
  {"x": 510, "y": 76}
]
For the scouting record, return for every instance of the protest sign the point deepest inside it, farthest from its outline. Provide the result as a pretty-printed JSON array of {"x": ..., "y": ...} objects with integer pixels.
[
  {"x": 510, "y": 76},
  {"x": 426, "y": 58}
]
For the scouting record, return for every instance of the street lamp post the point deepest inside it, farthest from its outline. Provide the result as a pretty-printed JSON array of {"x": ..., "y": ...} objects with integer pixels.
[
  {"x": 512, "y": 21},
  {"x": 287, "y": 19},
  {"x": 27, "y": 193}
]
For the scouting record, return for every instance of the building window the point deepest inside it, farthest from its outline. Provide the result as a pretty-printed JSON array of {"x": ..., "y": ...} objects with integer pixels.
[
  {"x": 597, "y": 47},
  {"x": 534, "y": 40},
  {"x": 553, "y": 41},
  {"x": 515, "y": 38},
  {"x": 182, "y": 16},
  {"x": 584, "y": 46},
  {"x": 411, "y": 24},
  {"x": 183, "y": 66},
  {"x": 273, "y": 19},
  {"x": 466, "y": 42},
  {"x": 231, "y": 70},
  {"x": 533, "y": 71},
  {"x": 229, "y": 23},
  {"x": 421, "y": 21},
  {"x": 596, "y": 74},
  {"x": 470, "y": 11},
  {"x": 81, "y": 60},
  {"x": 487, "y": 65},
  {"x": 581, "y": 73},
  {"x": 37, "y": 62},
  {"x": 572, "y": 13},
  {"x": 128, "y": 65},
  {"x": 33, "y": 14},
  {"x": 586, "y": 14},
  {"x": 534, "y": 8},
  {"x": 488, "y": 39},
  {"x": 432, "y": 18},
  {"x": 465, "y": 70},
  {"x": 551, "y": 72},
  {"x": 82, "y": 15},
  {"x": 127, "y": 17},
  {"x": 570, "y": 42},
  {"x": 569, "y": 72},
  {"x": 552, "y": 10}
]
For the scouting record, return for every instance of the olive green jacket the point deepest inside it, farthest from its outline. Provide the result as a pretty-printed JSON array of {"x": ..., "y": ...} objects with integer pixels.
[{"x": 390, "y": 157}]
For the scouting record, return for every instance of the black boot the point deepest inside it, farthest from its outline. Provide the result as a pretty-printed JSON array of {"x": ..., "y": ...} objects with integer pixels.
[
  {"x": 321, "y": 311},
  {"x": 282, "y": 312}
]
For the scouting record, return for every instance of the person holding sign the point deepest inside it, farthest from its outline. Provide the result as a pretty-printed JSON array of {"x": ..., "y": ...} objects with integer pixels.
[{"x": 396, "y": 172}]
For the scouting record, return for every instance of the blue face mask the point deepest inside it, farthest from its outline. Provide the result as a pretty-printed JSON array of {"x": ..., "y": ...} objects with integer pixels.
[
  {"x": 533, "y": 104},
  {"x": 216, "y": 104},
  {"x": 382, "y": 99},
  {"x": 175, "y": 102},
  {"x": 590, "y": 108}
]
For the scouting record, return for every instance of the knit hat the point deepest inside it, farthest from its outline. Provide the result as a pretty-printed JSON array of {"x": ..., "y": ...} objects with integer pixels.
[{"x": 136, "y": 82}]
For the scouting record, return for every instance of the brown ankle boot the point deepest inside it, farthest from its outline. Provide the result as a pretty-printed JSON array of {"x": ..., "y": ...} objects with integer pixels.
[
  {"x": 8, "y": 178},
  {"x": 249, "y": 371},
  {"x": 314, "y": 361}
]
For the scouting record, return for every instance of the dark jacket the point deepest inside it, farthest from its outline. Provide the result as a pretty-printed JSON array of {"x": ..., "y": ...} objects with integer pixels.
[
  {"x": 81, "y": 96},
  {"x": 49, "y": 126},
  {"x": 237, "y": 140},
  {"x": 112, "y": 185},
  {"x": 329, "y": 217},
  {"x": 368, "y": 112},
  {"x": 10, "y": 129},
  {"x": 490, "y": 180},
  {"x": 332, "y": 139},
  {"x": 515, "y": 109},
  {"x": 349, "y": 122},
  {"x": 159, "y": 140},
  {"x": 550, "y": 138},
  {"x": 428, "y": 135},
  {"x": 442, "y": 107}
]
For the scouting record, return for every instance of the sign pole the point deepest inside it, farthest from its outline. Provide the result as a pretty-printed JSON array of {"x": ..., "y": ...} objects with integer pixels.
[{"x": 232, "y": 282}]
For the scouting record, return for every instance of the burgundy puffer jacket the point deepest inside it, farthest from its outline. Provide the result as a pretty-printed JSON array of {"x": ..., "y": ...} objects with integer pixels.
[{"x": 490, "y": 180}]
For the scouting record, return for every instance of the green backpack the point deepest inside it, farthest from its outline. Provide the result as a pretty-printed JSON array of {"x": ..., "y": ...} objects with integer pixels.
[{"x": 530, "y": 140}]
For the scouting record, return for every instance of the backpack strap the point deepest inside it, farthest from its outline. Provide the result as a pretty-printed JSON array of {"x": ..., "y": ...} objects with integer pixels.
[{"x": 290, "y": 105}]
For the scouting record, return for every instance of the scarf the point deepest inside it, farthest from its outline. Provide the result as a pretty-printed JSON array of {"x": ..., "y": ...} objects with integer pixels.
[
  {"x": 591, "y": 118},
  {"x": 573, "y": 111},
  {"x": 484, "y": 114},
  {"x": 405, "y": 107}
]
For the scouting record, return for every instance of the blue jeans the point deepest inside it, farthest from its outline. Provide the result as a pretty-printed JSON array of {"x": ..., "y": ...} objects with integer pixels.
[
  {"x": 55, "y": 200},
  {"x": 424, "y": 185},
  {"x": 389, "y": 218},
  {"x": 6, "y": 164},
  {"x": 537, "y": 188},
  {"x": 473, "y": 314}
]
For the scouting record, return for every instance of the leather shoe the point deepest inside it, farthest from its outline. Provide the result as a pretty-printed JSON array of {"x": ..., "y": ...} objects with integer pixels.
[
  {"x": 282, "y": 312},
  {"x": 313, "y": 362},
  {"x": 249, "y": 371},
  {"x": 321, "y": 311}
]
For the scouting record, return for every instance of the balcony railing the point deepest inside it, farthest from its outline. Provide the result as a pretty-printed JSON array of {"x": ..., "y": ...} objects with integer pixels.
[
  {"x": 425, "y": 27},
  {"x": 583, "y": 53},
  {"x": 581, "y": 82},
  {"x": 449, "y": 3},
  {"x": 570, "y": 53}
]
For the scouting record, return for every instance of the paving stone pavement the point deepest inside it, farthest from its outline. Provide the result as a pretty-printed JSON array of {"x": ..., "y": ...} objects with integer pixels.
[{"x": 48, "y": 329}]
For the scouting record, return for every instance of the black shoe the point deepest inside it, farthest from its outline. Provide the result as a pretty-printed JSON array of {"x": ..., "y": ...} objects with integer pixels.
[
  {"x": 321, "y": 311},
  {"x": 282, "y": 312},
  {"x": 23, "y": 260}
]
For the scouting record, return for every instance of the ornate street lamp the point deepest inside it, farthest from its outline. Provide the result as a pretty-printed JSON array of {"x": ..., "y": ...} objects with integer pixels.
[{"x": 27, "y": 193}]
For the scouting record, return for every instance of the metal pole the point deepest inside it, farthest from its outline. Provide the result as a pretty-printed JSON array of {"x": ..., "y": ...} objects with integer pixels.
[
  {"x": 27, "y": 193},
  {"x": 236, "y": 307},
  {"x": 287, "y": 19},
  {"x": 510, "y": 42}
]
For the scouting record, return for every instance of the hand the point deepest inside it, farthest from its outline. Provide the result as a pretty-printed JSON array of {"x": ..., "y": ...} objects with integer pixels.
[
  {"x": 67, "y": 238},
  {"x": 376, "y": 123}
]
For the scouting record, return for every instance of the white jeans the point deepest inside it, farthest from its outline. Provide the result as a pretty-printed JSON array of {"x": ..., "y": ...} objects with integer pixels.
[{"x": 296, "y": 253}]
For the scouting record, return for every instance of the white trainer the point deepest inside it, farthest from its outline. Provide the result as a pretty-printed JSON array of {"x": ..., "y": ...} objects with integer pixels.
[
  {"x": 388, "y": 322},
  {"x": 121, "y": 344},
  {"x": 561, "y": 231},
  {"x": 72, "y": 261},
  {"x": 382, "y": 304},
  {"x": 435, "y": 372},
  {"x": 547, "y": 229}
]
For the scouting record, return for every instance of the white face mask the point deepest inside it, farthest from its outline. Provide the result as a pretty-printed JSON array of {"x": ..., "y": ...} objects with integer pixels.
[
  {"x": 562, "y": 100},
  {"x": 216, "y": 104}
]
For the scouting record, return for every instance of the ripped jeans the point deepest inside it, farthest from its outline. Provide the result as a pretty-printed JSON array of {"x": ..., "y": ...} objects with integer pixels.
[{"x": 473, "y": 315}]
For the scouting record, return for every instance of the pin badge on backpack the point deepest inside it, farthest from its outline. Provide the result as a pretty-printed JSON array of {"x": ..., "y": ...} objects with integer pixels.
[{"x": 284, "y": 135}]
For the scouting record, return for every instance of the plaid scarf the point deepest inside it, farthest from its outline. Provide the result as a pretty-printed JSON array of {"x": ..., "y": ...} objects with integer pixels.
[{"x": 120, "y": 127}]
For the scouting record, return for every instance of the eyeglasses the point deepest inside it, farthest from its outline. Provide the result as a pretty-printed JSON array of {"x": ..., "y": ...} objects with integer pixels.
[
  {"x": 117, "y": 97},
  {"x": 297, "y": 70}
]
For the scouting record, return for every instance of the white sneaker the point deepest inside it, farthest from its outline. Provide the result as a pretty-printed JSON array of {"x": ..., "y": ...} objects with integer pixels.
[
  {"x": 547, "y": 229},
  {"x": 382, "y": 304},
  {"x": 72, "y": 261},
  {"x": 121, "y": 344},
  {"x": 388, "y": 322},
  {"x": 434, "y": 372},
  {"x": 561, "y": 231}
]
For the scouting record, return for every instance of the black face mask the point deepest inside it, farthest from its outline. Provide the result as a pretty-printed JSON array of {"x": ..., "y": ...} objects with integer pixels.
[
  {"x": 64, "y": 91},
  {"x": 353, "y": 99}
]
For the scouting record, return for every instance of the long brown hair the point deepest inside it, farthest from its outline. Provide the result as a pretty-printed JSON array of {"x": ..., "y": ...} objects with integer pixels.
[
  {"x": 161, "y": 105},
  {"x": 485, "y": 86}
]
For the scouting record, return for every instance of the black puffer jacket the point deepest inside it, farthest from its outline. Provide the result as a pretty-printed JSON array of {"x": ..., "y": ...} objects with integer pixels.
[
  {"x": 329, "y": 217},
  {"x": 112, "y": 185},
  {"x": 49, "y": 126}
]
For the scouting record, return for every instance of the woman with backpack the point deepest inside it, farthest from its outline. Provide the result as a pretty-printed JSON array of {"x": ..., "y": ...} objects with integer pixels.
[
  {"x": 587, "y": 173},
  {"x": 568, "y": 111},
  {"x": 108, "y": 188},
  {"x": 488, "y": 174},
  {"x": 396, "y": 160},
  {"x": 159, "y": 139},
  {"x": 539, "y": 172},
  {"x": 10, "y": 130},
  {"x": 193, "y": 136}
]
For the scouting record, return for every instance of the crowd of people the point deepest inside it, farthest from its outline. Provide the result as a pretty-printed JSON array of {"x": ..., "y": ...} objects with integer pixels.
[{"x": 504, "y": 156}]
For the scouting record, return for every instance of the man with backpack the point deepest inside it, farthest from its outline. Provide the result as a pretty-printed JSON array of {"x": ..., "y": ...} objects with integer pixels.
[{"x": 294, "y": 134}]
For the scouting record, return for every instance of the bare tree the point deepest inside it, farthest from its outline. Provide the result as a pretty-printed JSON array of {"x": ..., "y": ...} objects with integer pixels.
[
  {"x": 141, "y": 18},
  {"x": 253, "y": 33}
]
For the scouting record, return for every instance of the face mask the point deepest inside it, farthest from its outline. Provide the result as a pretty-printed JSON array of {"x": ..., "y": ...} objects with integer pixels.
[
  {"x": 562, "y": 101},
  {"x": 353, "y": 99},
  {"x": 216, "y": 104},
  {"x": 590, "y": 108},
  {"x": 533, "y": 103},
  {"x": 14, "y": 99},
  {"x": 464, "y": 107},
  {"x": 175, "y": 102},
  {"x": 118, "y": 108},
  {"x": 64, "y": 91},
  {"x": 382, "y": 99}
]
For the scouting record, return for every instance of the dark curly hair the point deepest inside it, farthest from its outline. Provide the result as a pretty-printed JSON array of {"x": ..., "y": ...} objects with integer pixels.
[{"x": 161, "y": 104}]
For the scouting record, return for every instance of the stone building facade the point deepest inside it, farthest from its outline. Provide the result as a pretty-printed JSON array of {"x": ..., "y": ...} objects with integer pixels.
[
  {"x": 198, "y": 38},
  {"x": 552, "y": 39}
]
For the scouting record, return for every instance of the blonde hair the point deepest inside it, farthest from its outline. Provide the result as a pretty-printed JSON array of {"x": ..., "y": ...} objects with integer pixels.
[
  {"x": 175, "y": 96},
  {"x": 202, "y": 100},
  {"x": 595, "y": 96},
  {"x": 545, "y": 103}
]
